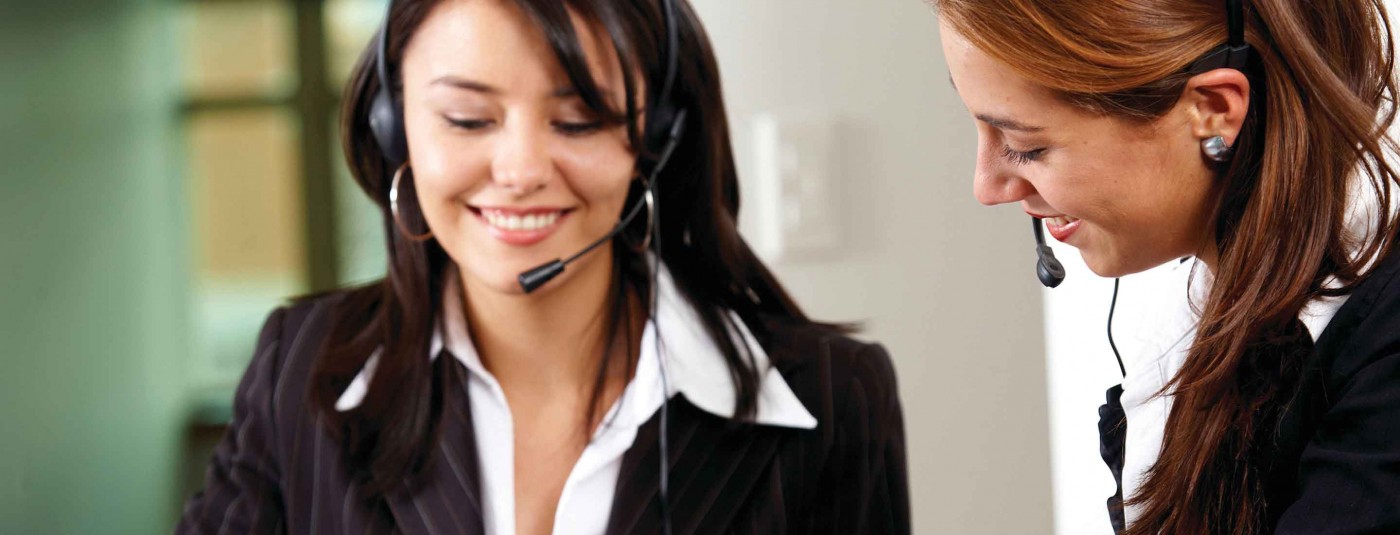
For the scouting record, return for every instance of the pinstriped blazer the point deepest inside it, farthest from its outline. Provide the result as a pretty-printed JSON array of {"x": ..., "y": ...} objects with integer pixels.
[{"x": 277, "y": 470}]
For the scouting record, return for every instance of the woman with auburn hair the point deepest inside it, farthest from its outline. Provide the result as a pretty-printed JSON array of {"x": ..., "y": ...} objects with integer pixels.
[
  {"x": 1251, "y": 136},
  {"x": 482, "y": 387}
]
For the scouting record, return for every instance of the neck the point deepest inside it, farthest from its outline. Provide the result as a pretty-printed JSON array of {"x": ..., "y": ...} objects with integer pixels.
[
  {"x": 1209, "y": 255},
  {"x": 549, "y": 341}
]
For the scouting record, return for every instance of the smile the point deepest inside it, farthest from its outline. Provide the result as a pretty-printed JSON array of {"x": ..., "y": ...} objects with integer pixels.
[
  {"x": 1061, "y": 227},
  {"x": 521, "y": 226},
  {"x": 516, "y": 222}
]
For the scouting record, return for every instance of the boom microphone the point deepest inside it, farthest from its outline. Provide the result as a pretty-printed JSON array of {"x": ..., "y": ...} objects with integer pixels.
[{"x": 1047, "y": 268}]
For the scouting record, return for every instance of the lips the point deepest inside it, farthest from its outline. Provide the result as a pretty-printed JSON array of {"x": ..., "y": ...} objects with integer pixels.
[
  {"x": 521, "y": 226},
  {"x": 1061, "y": 227}
]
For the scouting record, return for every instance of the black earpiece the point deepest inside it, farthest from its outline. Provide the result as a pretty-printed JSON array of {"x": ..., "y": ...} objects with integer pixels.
[
  {"x": 1047, "y": 268},
  {"x": 385, "y": 109}
]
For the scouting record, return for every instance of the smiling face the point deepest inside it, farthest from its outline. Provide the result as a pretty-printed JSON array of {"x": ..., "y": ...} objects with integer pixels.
[
  {"x": 1129, "y": 194},
  {"x": 511, "y": 168}
]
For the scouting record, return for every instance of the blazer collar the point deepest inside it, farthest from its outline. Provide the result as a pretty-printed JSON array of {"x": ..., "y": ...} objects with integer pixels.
[
  {"x": 694, "y": 366},
  {"x": 714, "y": 467}
]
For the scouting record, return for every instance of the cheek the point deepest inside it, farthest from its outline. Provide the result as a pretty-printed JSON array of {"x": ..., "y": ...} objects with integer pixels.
[
  {"x": 598, "y": 173},
  {"x": 1165, "y": 187},
  {"x": 1113, "y": 181},
  {"x": 447, "y": 171},
  {"x": 1148, "y": 204},
  {"x": 446, "y": 165}
]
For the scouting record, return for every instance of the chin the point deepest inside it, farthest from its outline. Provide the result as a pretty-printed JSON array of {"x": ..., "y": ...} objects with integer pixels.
[
  {"x": 497, "y": 268},
  {"x": 1115, "y": 267},
  {"x": 496, "y": 280},
  {"x": 1107, "y": 271}
]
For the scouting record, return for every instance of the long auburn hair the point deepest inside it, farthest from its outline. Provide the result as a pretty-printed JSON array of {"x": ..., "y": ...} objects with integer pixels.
[
  {"x": 1322, "y": 91},
  {"x": 390, "y": 434}
]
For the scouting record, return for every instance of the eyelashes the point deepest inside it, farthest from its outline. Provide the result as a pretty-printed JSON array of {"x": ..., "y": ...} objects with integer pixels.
[
  {"x": 467, "y": 124},
  {"x": 1017, "y": 157},
  {"x": 563, "y": 127},
  {"x": 578, "y": 129}
]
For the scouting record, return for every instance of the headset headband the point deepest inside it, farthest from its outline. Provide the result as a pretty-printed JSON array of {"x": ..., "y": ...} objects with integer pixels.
[
  {"x": 664, "y": 124},
  {"x": 1234, "y": 54}
]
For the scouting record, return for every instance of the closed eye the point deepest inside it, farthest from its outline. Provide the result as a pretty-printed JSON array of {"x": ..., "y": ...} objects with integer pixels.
[
  {"x": 1020, "y": 157},
  {"x": 578, "y": 128},
  {"x": 468, "y": 124}
]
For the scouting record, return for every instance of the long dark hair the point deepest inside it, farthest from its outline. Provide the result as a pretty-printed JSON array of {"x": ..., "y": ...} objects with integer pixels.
[
  {"x": 389, "y": 435},
  {"x": 1323, "y": 95}
]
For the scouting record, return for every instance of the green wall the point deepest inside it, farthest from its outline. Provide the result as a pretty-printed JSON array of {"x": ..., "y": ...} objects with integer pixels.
[{"x": 93, "y": 304}]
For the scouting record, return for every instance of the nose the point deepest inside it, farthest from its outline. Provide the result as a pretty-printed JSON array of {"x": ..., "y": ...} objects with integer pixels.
[
  {"x": 522, "y": 162},
  {"x": 995, "y": 181}
]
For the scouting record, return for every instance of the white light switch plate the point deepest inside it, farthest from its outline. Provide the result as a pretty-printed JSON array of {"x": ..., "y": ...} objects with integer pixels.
[{"x": 796, "y": 207}]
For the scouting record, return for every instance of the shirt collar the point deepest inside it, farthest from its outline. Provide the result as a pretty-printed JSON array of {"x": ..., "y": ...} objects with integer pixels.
[
  {"x": 1315, "y": 315},
  {"x": 694, "y": 365}
]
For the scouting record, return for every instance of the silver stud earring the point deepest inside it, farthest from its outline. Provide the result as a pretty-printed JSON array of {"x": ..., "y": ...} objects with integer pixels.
[{"x": 1216, "y": 150}]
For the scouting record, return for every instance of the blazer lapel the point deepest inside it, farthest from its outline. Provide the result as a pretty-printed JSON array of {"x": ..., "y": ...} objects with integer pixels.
[
  {"x": 714, "y": 467},
  {"x": 445, "y": 496}
]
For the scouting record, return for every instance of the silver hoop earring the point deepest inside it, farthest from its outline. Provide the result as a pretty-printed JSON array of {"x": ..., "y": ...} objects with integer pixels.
[
  {"x": 394, "y": 208},
  {"x": 1216, "y": 150},
  {"x": 651, "y": 211}
]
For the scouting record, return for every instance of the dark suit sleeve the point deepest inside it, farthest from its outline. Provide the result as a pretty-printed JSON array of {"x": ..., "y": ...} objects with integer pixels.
[
  {"x": 1349, "y": 474},
  {"x": 241, "y": 492},
  {"x": 868, "y": 491}
]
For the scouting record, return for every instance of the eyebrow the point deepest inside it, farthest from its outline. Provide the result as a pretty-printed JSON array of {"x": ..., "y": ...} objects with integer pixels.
[
  {"x": 479, "y": 87},
  {"x": 571, "y": 91},
  {"x": 462, "y": 83},
  {"x": 1001, "y": 123},
  {"x": 1008, "y": 124}
]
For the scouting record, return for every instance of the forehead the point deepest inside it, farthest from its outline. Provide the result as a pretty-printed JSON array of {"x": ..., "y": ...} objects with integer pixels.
[
  {"x": 495, "y": 42},
  {"x": 991, "y": 88}
]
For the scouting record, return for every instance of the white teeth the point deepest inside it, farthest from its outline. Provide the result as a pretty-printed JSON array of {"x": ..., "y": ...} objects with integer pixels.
[
  {"x": 1060, "y": 221},
  {"x": 517, "y": 222}
]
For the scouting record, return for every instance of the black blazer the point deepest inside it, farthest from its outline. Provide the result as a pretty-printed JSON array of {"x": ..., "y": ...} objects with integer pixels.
[
  {"x": 278, "y": 471},
  {"x": 1334, "y": 469}
]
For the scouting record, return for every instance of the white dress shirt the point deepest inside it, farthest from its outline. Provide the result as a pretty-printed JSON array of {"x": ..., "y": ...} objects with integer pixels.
[
  {"x": 1163, "y": 353},
  {"x": 695, "y": 367}
]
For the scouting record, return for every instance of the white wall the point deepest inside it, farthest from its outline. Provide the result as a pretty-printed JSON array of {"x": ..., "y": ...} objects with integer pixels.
[
  {"x": 946, "y": 284},
  {"x": 1082, "y": 367}
]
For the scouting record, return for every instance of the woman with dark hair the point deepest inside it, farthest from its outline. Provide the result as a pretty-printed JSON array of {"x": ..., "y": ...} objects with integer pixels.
[
  {"x": 644, "y": 389},
  {"x": 1252, "y": 136}
]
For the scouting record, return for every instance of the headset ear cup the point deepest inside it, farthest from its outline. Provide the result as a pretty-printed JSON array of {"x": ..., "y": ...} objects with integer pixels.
[
  {"x": 658, "y": 126},
  {"x": 386, "y": 121}
]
